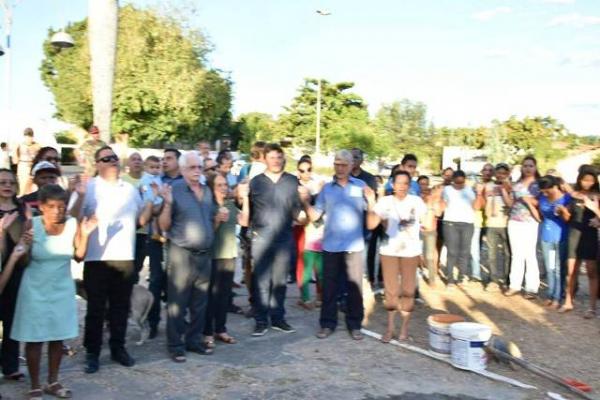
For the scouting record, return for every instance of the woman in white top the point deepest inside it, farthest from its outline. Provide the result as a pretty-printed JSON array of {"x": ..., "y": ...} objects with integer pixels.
[
  {"x": 401, "y": 215},
  {"x": 459, "y": 215}
]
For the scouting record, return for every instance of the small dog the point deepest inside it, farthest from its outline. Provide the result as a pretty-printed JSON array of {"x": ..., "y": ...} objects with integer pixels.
[{"x": 141, "y": 303}]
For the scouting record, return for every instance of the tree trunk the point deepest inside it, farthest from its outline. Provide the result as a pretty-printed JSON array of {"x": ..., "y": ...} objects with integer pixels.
[{"x": 103, "y": 22}]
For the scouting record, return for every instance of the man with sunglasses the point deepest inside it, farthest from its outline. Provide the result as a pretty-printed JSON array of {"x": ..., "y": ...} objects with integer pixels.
[{"x": 109, "y": 263}]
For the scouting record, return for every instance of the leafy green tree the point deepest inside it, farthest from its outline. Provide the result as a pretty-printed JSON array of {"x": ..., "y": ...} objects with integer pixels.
[
  {"x": 343, "y": 114},
  {"x": 163, "y": 90},
  {"x": 253, "y": 127},
  {"x": 402, "y": 126}
]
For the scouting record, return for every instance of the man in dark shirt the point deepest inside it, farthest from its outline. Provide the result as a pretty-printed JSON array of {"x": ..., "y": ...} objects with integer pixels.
[
  {"x": 359, "y": 173},
  {"x": 274, "y": 204}
]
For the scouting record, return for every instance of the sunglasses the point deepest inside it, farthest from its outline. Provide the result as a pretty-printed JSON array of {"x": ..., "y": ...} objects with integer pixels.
[
  {"x": 108, "y": 159},
  {"x": 304, "y": 170},
  {"x": 52, "y": 159}
]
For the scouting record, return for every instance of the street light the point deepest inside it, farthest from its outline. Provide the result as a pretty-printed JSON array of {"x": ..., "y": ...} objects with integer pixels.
[
  {"x": 322, "y": 13},
  {"x": 62, "y": 40}
]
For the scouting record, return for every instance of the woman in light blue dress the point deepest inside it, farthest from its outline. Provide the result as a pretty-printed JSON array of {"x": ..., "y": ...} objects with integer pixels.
[{"x": 46, "y": 310}]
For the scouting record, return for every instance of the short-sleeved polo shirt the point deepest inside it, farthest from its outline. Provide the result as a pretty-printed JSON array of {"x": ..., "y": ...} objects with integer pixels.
[
  {"x": 117, "y": 206},
  {"x": 274, "y": 206},
  {"x": 192, "y": 220},
  {"x": 345, "y": 209}
]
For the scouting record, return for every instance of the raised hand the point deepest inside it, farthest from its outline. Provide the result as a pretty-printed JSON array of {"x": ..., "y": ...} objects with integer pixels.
[
  {"x": 7, "y": 220},
  {"x": 243, "y": 190},
  {"x": 166, "y": 192},
  {"x": 89, "y": 225},
  {"x": 369, "y": 194},
  {"x": 304, "y": 194}
]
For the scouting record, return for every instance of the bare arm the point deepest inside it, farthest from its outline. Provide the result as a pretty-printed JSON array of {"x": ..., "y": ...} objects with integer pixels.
[
  {"x": 146, "y": 215},
  {"x": 84, "y": 230},
  {"x": 20, "y": 250}
]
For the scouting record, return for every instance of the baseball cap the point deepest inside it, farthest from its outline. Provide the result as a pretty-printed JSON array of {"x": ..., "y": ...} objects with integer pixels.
[{"x": 44, "y": 166}]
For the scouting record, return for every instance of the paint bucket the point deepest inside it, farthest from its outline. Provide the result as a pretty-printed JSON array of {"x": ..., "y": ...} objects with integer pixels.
[
  {"x": 468, "y": 343},
  {"x": 439, "y": 332}
]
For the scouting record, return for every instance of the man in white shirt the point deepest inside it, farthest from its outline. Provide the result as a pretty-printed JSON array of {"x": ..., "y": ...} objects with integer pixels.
[{"x": 108, "y": 272}]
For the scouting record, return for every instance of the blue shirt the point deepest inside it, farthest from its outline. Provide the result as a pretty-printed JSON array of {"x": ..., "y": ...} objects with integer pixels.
[
  {"x": 553, "y": 229},
  {"x": 344, "y": 207},
  {"x": 415, "y": 189}
]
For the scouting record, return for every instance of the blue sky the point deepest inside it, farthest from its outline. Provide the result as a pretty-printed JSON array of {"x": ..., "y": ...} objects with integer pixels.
[{"x": 470, "y": 61}]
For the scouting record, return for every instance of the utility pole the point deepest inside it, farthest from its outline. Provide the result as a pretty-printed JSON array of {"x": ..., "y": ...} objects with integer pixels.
[{"x": 103, "y": 23}]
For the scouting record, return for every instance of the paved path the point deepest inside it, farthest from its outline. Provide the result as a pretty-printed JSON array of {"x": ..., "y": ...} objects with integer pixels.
[{"x": 277, "y": 366}]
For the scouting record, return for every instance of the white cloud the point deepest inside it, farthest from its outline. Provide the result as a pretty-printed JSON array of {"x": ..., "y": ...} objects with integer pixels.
[
  {"x": 582, "y": 59},
  {"x": 575, "y": 19},
  {"x": 486, "y": 15}
]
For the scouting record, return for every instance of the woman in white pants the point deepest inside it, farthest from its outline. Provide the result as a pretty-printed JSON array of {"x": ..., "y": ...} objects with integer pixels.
[{"x": 523, "y": 231}]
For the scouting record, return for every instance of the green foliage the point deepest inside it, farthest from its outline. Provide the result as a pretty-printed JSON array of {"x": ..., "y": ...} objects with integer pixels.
[
  {"x": 253, "y": 127},
  {"x": 163, "y": 91},
  {"x": 65, "y": 137}
]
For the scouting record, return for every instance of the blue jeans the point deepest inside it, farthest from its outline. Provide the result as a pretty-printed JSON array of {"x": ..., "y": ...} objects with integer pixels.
[
  {"x": 555, "y": 255},
  {"x": 476, "y": 253},
  {"x": 270, "y": 269}
]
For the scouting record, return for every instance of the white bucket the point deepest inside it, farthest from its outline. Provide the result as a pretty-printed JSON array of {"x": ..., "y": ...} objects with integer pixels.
[
  {"x": 439, "y": 332},
  {"x": 468, "y": 342}
]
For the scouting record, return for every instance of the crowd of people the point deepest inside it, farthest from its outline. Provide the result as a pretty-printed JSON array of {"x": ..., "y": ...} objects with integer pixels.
[{"x": 192, "y": 218}]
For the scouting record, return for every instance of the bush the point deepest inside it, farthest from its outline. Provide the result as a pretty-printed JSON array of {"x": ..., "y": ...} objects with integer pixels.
[{"x": 65, "y": 137}]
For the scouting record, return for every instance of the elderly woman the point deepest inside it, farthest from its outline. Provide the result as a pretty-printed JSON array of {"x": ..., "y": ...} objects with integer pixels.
[{"x": 46, "y": 310}]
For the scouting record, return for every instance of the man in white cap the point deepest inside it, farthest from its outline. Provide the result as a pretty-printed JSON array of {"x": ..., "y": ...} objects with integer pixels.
[{"x": 43, "y": 173}]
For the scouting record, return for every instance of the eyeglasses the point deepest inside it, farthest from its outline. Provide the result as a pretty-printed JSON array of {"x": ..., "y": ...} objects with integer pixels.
[
  {"x": 210, "y": 169},
  {"x": 304, "y": 170},
  {"x": 52, "y": 159},
  {"x": 8, "y": 183},
  {"x": 107, "y": 159}
]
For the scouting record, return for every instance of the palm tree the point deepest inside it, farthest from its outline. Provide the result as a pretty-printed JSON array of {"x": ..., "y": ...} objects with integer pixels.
[{"x": 103, "y": 20}]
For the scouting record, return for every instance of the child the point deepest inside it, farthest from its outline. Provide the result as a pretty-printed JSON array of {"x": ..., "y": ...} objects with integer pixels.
[{"x": 150, "y": 177}]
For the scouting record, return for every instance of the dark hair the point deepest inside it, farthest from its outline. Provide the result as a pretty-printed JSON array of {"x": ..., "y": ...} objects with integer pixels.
[
  {"x": 28, "y": 132},
  {"x": 362, "y": 153},
  {"x": 52, "y": 192},
  {"x": 257, "y": 149},
  {"x": 398, "y": 173},
  {"x": 582, "y": 173},
  {"x": 41, "y": 154},
  {"x": 19, "y": 203},
  {"x": 100, "y": 150},
  {"x": 394, "y": 169},
  {"x": 303, "y": 160},
  {"x": 420, "y": 178},
  {"x": 3, "y": 145},
  {"x": 272, "y": 147},
  {"x": 503, "y": 166},
  {"x": 459, "y": 174},
  {"x": 547, "y": 182},
  {"x": 532, "y": 159},
  {"x": 173, "y": 150},
  {"x": 152, "y": 159},
  {"x": 210, "y": 180},
  {"x": 408, "y": 157},
  {"x": 223, "y": 155},
  {"x": 447, "y": 169}
]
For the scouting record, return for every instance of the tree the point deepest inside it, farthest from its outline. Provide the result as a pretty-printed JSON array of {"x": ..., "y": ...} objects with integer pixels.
[
  {"x": 255, "y": 126},
  {"x": 403, "y": 126},
  {"x": 343, "y": 114},
  {"x": 163, "y": 91}
]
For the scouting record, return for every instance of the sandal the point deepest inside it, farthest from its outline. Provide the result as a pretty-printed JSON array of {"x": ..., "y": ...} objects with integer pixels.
[
  {"x": 225, "y": 338},
  {"x": 15, "y": 376},
  {"x": 387, "y": 337},
  {"x": 209, "y": 342},
  {"x": 35, "y": 394},
  {"x": 589, "y": 314},
  {"x": 57, "y": 390}
]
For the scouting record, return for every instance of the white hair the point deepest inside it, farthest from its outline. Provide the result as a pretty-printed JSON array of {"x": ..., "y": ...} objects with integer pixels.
[
  {"x": 185, "y": 157},
  {"x": 344, "y": 155}
]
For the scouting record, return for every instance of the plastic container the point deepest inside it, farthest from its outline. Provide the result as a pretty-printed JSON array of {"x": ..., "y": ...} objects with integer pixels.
[
  {"x": 468, "y": 345},
  {"x": 439, "y": 332}
]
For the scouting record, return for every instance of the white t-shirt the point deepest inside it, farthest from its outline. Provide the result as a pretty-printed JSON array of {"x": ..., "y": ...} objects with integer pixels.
[
  {"x": 403, "y": 226},
  {"x": 459, "y": 204},
  {"x": 116, "y": 205}
]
